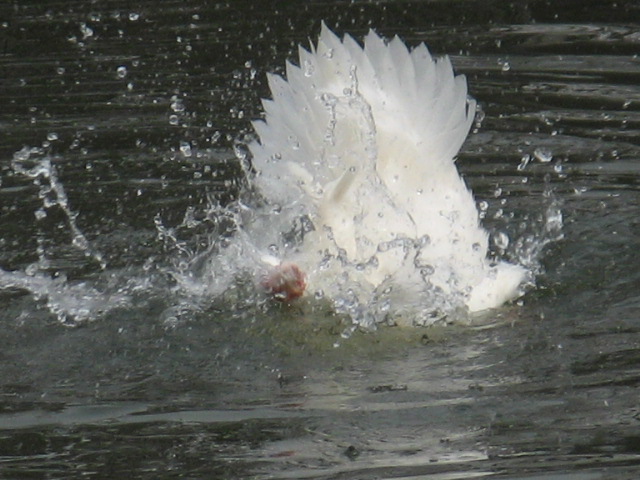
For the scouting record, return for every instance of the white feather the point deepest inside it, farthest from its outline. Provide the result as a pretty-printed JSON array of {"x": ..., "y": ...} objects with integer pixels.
[{"x": 363, "y": 138}]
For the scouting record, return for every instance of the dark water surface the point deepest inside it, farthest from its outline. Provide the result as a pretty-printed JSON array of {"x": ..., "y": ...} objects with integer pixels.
[{"x": 139, "y": 107}]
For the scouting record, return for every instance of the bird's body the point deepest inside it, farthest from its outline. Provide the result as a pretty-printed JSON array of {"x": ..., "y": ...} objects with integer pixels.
[{"x": 359, "y": 142}]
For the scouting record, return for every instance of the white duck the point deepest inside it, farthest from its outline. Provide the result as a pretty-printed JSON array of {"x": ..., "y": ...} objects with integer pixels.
[{"x": 361, "y": 142}]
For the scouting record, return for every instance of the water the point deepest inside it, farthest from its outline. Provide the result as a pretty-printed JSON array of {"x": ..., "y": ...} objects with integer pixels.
[{"x": 133, "y": 118}]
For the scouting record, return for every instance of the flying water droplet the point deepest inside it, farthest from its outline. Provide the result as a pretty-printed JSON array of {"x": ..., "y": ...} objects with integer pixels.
[
  {"x": 86, "y": 31},
  {"x": 177, "y": 105},
  {"x": 293, "y": 142},
  {"x": 543, "y": 155},
  {"x": 524, "y": 161},
  {"x": 501, "y": 240},
  {"x": 308, "y": 68},
  {"x": 121, "y": 71},
  {"x": 40, "y": 214},
  {"x": 185, "y": 149}
]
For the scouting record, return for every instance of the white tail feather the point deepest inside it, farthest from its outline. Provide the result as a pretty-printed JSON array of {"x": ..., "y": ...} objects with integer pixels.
[{"x": 364, "y": 139}]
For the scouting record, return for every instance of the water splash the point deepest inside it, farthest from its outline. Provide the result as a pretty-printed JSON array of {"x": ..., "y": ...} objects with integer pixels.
[
  {"x": 70, "y": 302},
  {"x": 34, "y": 163},
  {"x": 219, "y": 253}
]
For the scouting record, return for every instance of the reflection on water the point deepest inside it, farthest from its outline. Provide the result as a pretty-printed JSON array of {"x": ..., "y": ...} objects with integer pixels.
[{"x": 142, "y": 112}]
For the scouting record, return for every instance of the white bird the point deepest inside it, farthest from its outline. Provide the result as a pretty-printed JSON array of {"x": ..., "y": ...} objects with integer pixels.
[{"x": 357, "y": 146}]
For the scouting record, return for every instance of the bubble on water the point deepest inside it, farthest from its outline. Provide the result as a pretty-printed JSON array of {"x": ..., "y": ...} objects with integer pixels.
[
  {"x": 134, "y": 16},
  {"x": 52, "y": 136}
]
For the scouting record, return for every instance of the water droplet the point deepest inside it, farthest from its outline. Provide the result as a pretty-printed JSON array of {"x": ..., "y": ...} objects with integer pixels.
[
  {"x": 308, "y": 68},
  {"x": 121, "y": 71},
  {"x": 40, "y": 214},
  {"x": 543, "y": 155},
  {"x": 480, "y": 116},
  {"x": 177, "y": 105},
  {"x": 60, "y": 70},
  {"x": 32, "y": 269},
  {"x": 134, "y": 16},
  {"x": 524, "y": 161},
  {"x": 185, "y": 148},
  {"x": 501, "y": 239},
  {"x": 52, "y": 136},
  {"x": 293, "y": 142},
  {"x": 173, "y": 120},
  {"x": 427, "y": 271},
  {"x": 506, "y": 66},
  {"x": 423, "y": 241},
  {"x": 86, "y": 31}
]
